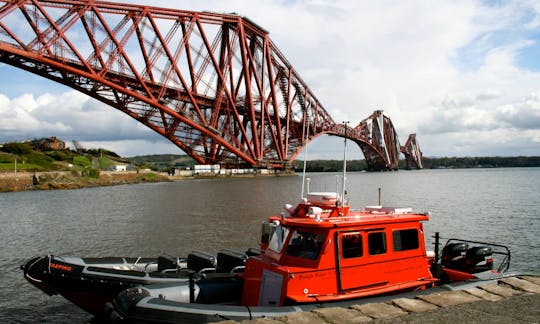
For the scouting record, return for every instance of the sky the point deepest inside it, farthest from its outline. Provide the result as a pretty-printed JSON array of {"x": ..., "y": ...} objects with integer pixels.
[{"x": 463, "y": 75}]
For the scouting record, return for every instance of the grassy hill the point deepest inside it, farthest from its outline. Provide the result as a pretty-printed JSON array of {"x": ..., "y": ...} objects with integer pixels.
[
  {"x": 83, "y": 169},
  {"x": 28, "y": 159},
  {"x": 24, "y": 158},
  {"x": 163, "y": 162}
]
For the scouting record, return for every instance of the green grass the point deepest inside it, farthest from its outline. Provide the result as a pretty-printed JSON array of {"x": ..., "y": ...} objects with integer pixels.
[
  {"x": 163, "y": 162},
  {"x": 148, "y": 177},
  {"x": 22, "y": 167},
  {"x": 7, "y": 157},
  {"x": 105, "y": 163}
]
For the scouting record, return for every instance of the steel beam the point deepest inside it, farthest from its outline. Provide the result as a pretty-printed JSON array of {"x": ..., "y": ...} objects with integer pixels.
[{"x": 213, "y": 84}]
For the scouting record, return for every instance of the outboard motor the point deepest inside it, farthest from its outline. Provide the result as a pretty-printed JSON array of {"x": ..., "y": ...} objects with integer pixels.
[
  {"x": 453, "y": 256},
  {"x": 478, "y": 259}
]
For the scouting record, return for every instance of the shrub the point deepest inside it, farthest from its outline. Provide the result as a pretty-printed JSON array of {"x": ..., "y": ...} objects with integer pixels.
[
  {"x": 16, "y": 148},
  {"x": 90, "y": 173},
  {"x": 82, "y": 161},
  {"x": 39, "y": 159},
  {"x": 93, "y": 173},
  {"x": 64, "y": 155}
]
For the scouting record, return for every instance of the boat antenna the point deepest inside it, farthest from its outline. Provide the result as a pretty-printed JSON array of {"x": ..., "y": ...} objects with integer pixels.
[
  {"x": 306, "y": 127},
  {"x": 337, "y": 183},
  {"x": 343, "y": 191}
]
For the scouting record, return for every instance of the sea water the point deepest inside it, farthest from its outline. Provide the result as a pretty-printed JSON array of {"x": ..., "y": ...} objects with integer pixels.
[{"x": 494, "y": 205}]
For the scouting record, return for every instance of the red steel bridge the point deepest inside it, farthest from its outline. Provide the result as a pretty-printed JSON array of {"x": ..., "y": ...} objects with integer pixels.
[{"x": 213, "y": 84}]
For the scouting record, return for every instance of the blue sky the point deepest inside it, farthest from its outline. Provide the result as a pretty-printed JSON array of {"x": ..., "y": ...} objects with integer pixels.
[
  {"x": 463, "y": 75},
  {"x": 528, "y": 57}
]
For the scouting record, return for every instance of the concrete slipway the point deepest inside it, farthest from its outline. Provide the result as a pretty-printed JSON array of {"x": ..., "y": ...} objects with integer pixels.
[{"x": 514, "y": 299}]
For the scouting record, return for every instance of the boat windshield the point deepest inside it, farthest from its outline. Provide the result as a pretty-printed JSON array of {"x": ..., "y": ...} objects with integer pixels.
[
  {"x": 278, "y": 238},
  {"x": 305, "y": 245}
]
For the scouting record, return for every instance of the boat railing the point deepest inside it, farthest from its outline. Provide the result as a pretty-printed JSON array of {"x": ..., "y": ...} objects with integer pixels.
[
  {"x": 238, "y": 269},
  {"x": 164, "y": 264},
  {"x": 206, "y": 270}
]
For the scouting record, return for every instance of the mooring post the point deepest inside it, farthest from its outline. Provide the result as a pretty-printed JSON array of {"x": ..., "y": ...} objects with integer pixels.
[{"x": 436, "y": 247}]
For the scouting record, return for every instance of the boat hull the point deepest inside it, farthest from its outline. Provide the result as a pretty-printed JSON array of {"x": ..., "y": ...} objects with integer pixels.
[
  {"x": 149, "y": 309},
  {"x": 150, "y": 304},
  {"x": 92, "y": 282}
]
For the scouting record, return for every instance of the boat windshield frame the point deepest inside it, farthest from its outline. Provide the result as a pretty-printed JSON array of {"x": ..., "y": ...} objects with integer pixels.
[{"x": 278, "y": 238}]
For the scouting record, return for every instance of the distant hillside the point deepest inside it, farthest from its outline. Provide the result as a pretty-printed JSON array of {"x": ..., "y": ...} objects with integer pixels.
[
  {"x": 163, "y": 162},
  {"x": 23, "y": 157},
  {"x": 429, "y": 163},
  {"x": 482, "y": 162},
  {"x": 329, "y": 165}
]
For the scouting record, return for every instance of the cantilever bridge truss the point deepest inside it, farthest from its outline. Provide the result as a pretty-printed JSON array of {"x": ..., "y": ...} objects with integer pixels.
[{"x": 213, "y": 84}]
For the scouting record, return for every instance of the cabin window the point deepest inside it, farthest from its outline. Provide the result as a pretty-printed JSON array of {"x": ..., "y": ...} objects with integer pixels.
[
  {"x": 405, "y": 239},
  {"x": 377, "y": 243},
  {"x": 351, "y": 245},
  {"x": 278, "y": 238},
  {"x": 305, "y": 245}
]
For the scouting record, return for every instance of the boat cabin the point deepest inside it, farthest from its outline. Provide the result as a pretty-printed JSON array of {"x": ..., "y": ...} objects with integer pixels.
[{"x": 321, "y": 251}]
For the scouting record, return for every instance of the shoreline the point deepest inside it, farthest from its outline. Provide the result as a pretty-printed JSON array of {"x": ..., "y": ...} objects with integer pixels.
[
  {"x": 65, "y": 180},
  {"x": 54, "y": 180}
]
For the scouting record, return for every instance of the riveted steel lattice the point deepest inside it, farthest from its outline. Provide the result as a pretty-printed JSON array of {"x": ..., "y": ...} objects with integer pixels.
[{"x": 213, "y": 84}]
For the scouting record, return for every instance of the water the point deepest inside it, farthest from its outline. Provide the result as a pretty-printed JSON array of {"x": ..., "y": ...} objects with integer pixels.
[{"x": 494, "y": 205}]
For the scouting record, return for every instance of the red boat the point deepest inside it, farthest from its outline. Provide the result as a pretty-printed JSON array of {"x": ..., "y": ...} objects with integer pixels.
[
  {"x": 329, "y": 252},
  {"x": 320, "y": 251}
]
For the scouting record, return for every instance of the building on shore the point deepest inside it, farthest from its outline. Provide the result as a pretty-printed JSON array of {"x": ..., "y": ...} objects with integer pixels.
[
  {"x": 216, "y": 170},
  {"x": 47, "y": 144}
]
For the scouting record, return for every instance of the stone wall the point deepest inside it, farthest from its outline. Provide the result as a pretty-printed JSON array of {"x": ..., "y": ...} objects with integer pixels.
[{"x": 16, "y": 181}]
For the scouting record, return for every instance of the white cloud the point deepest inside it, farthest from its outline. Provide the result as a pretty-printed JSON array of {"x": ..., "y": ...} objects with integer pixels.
[
  {"x": 448, "y": 71},
  {"x": 71, "y": 115},
  {"x": 469, "y": 111},
  {"x": 521, "y": 115},
  {"x": 129, "y": 148}
]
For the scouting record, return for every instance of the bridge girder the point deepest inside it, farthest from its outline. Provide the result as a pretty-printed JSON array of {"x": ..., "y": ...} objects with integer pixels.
[
  {"x": 413, "y": 155},
  {"x": 213, "y": 84}
]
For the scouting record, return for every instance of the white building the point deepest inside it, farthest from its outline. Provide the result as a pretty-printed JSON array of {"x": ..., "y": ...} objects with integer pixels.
[
  {"x": 120, "y": 168},
  {"x": 203, "y": 168}
]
